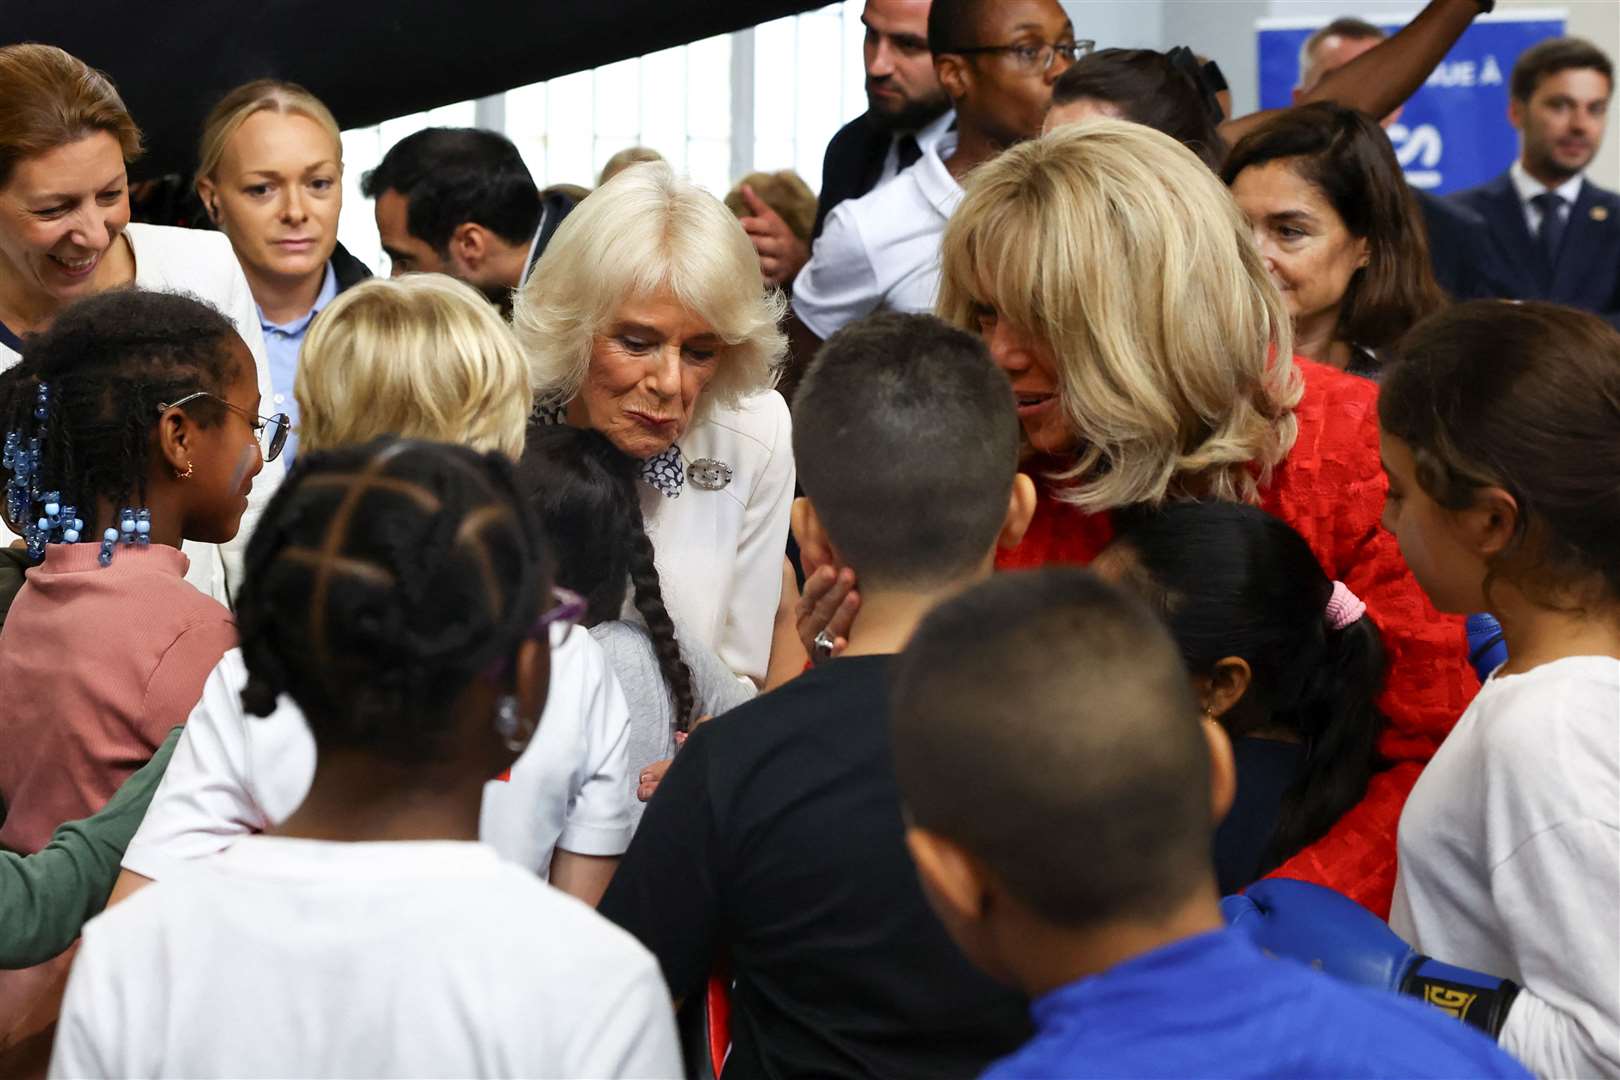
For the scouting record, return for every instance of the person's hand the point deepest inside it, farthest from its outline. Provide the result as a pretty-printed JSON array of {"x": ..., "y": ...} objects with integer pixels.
[
  {"x": 648, "y": 781},
  {"x": 781, "y": 254},
  {"x": 828, "y": 607}
]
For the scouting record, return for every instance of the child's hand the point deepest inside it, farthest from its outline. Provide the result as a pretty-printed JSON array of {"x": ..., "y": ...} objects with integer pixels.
[
  {"x": 826, "y": 611},
  {"x": 650, "y": 776}
]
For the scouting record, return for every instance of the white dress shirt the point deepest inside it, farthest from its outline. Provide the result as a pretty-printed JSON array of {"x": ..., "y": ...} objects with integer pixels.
[
  {"x": 233, "y": 774},
  {"x": 202, "y": 264},
  {"x": 719, "y": 552},
  {"x": 927, "y": 139},
  {"x": 881, "y": 251},
  {"x": 1529, "y": 187}
]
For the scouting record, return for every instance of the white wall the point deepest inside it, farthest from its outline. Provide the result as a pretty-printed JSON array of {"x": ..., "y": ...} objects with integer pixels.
[{"x": 1119, "y": 24}]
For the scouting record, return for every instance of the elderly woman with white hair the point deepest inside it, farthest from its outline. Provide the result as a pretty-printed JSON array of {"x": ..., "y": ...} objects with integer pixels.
[{"x": 647, "y": 319}]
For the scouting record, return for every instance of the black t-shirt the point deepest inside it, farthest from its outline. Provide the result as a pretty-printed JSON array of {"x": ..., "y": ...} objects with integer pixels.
[
  {"x": 776, "y": 837},
  {"x": 1266, "y": 769}
]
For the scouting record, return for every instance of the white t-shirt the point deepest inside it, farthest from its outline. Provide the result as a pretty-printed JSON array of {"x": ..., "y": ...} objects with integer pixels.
[
  {"x": 202, "y": 264},
  {"x": 286, "y": 957},
  {"x": 719, "y": 552},
  {"x": 1510, "y": 859},
  {"x": 882, "y": 249},
  {"x": 234, "y": 774}
]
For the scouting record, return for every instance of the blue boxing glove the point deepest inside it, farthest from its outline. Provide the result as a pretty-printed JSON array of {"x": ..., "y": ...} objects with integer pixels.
[
  {"x": 1334, "y": 934},
  {"x": 1487, "y": 648}
]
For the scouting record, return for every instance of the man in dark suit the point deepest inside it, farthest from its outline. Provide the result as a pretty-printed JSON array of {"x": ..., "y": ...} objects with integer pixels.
[
  {"x": 906, "y": 113},
  {"x": 1552, "y": 234}
]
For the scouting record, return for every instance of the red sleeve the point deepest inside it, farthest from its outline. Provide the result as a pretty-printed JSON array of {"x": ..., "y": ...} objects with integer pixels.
[{"x": 1429, "y": 681}]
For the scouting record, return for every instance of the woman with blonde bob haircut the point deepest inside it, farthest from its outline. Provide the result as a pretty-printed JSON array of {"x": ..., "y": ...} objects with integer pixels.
[
  {"x": 647, "y": 320},
  {"x": 1117, "y": 284},
  {"x": 270, "y": 176},
  {"x": 421, "y": 356}
]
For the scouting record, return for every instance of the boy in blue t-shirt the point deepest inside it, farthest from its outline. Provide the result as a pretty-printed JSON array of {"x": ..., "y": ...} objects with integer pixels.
[{"x": 1062, "y": 796}]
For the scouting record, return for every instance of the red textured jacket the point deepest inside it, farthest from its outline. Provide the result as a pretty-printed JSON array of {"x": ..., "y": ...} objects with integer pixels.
[{"x": 1331, "y": 490}]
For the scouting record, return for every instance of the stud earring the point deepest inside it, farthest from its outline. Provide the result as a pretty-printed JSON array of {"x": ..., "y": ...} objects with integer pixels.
[{"x": 507, "y": 724}]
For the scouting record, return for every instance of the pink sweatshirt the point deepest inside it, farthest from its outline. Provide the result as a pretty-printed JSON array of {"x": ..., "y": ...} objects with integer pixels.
[{"x": 97, "y": 663}]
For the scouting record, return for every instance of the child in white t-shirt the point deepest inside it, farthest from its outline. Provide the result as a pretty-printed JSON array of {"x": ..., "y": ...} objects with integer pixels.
[
  {"x": 1501, "y": 437},
  {"x": 427, "y": 357},
  {"x": 400, "y": 594}
]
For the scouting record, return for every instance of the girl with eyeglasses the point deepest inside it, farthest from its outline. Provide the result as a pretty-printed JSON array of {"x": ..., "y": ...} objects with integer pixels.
[
  {"x": 130, "y": 426},
  {"x": 400, "y": 594}
]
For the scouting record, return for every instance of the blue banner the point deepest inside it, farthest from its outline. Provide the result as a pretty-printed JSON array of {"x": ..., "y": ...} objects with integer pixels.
[{"x": 1454, "y": 132}]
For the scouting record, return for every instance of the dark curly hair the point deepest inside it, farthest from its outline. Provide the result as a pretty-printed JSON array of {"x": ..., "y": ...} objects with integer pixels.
[
  {"x": 584, "y": 489},
  {"x": 109, "y": 361},
  {"x": 381, "y": 580}
]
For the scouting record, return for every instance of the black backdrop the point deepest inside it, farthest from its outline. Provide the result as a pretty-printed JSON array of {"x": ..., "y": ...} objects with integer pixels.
[{"x": 368, "y": 60}]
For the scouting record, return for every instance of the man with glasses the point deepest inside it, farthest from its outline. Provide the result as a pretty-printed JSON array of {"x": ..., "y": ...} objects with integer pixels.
[{"x": 997, "y": 60}]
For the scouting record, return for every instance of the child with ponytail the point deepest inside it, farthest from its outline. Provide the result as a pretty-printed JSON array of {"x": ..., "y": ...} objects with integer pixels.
[
  {"x": 130, "y": 425},
  {"x": 584, "y": 489},
  {"x": 1284, "y": 659}
]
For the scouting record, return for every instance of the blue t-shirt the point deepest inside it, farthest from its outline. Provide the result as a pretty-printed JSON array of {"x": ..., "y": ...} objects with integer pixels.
[{"x": 1215, "y": 1006}]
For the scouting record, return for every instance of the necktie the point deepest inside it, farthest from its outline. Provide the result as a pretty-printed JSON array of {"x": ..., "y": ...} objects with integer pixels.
[
  {"x": 1551, "y": 234},
  {"x": 907, "y": 152}
]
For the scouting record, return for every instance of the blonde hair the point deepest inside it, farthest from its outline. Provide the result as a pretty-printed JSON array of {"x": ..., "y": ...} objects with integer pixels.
[
  {"x": 642, "y": 231},
  {"x": 1116, "y": 246},
  {"x": 624, "y": 159},
  {"x": 422, "y": 356},
  {"x": 785, "y": 192},
  {"x": 261, "y": 95},
  {"x": 49, "y": 98}
]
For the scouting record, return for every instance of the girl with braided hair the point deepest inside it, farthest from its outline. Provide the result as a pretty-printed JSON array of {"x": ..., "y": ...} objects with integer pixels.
[
  {"x": 584, "y": 489},
  {"x": 399, "y": 593},
  {"x": 130, "y": 426}
]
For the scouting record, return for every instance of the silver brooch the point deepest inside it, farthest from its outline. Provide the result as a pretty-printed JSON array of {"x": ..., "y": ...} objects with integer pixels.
[{"x": 709, "y": 474}]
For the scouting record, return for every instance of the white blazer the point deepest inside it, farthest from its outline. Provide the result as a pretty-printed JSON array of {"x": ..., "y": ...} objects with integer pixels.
[
  {"x": 719, "y": 550},
  {"x": 203, "y": 265}
]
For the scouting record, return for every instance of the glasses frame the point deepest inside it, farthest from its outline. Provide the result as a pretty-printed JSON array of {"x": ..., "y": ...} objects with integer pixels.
[
  {"x": 1049, "y": 50},
  {"x": 282, "y": 422}
]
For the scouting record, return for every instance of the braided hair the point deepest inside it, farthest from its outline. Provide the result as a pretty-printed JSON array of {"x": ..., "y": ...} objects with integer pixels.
[
  {"x": 584, "y": 488},
  {"x": 109, "y": 361},
  {"x": 381, "y": 580}
]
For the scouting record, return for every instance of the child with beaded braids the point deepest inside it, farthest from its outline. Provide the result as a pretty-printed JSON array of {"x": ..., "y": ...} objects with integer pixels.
[
  {"x": 130, "y": 425},
  {"x": 584, "y": 489},
  {"x": 400, "y": 594}
]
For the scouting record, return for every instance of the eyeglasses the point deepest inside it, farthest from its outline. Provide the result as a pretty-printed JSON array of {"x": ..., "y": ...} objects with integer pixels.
[
  {"x": 270, "y": 430},
  {"x": 567, "y": 608},
  {"x": 1035, "y": 57}
]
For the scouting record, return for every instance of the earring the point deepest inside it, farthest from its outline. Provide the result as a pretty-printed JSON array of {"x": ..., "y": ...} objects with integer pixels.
[
  {"x": 507, "y": 724},
  {"x": 178, "y": 475}
]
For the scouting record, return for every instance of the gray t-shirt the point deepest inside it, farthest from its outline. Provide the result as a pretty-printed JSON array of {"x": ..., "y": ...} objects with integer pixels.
[{"x": 652, "y": 710}]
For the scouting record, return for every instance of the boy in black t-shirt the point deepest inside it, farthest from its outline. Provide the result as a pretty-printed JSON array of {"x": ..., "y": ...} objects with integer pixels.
[{"x": 776, "y": 836}]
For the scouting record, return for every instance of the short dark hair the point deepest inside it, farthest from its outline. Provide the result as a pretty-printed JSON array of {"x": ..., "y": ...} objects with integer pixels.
[
  {"x": 1150, "y": 89},
  {"x": 1549, "y": 57},
  {"x": 1346, "y": 156},
  {"x": 450, "y": 176},
  {"x": 1232, "y": 580},
  {"x": 906, "y": 440},
  {"x": 1043, "y": 721},
  {"x": 954, "y": 24},
  {"x": 109, "y": 360},
  {"x": 381, "y": 580},
  {"x": 1524, "y": 397}
]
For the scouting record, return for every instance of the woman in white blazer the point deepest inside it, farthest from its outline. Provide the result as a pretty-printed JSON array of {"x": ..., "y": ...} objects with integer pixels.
[
  {"x": 65, "y": 233},
  {"x": 647, "y": 319}
]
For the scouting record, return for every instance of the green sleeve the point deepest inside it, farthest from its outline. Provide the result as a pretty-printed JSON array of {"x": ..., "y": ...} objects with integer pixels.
[{"x": 45, "y": 898}]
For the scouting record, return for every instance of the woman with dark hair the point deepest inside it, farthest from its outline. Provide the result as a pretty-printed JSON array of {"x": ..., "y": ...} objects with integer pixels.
[
  {"x": 1287, "y": 661},
  {"x": 584, "y": 490},
  {"x": 1167, "y": 91},
  {"x": 1339, "y": 232}
]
